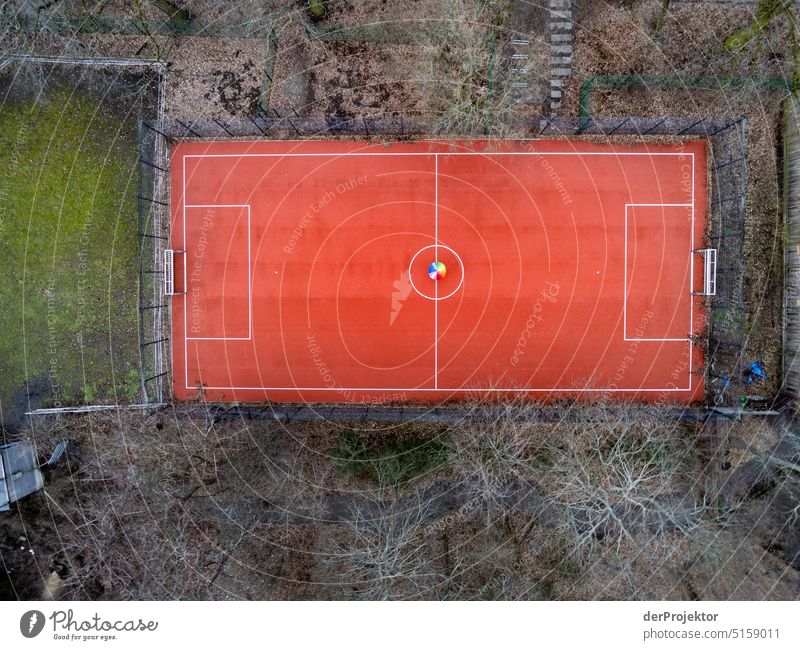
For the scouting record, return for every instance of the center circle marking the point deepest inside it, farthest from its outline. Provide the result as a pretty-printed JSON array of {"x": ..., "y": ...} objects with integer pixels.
[{"x": 411, "y": 274}]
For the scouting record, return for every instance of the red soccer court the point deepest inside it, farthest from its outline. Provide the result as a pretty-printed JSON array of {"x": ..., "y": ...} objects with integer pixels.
[{"x": 569, "y": 270}]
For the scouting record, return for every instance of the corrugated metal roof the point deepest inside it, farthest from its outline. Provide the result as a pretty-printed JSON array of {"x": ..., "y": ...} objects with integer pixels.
[
  {"x": 3, "y": 490},
  {"x": 22, "y": 475}
]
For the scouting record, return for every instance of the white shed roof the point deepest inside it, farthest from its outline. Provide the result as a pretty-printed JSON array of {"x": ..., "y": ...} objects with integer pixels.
[
  {"x": 22, "y": 475},
  {"x": 3, "y": 489}
]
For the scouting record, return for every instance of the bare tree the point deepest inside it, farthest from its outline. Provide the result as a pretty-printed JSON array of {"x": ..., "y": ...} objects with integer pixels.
[
  {"x": 492, "y": 449},
  {"x": 614, "y": 479},
  {"x": 385, "y": 555}
]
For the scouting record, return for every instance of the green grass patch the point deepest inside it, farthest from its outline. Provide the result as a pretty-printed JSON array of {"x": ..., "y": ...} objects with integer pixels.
[
  {"x": 395, "y": 461},
  {"x": 68, "y": 239}
]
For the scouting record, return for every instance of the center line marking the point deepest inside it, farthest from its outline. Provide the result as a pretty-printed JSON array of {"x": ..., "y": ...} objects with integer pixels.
[{"x": 436, "y": 256}]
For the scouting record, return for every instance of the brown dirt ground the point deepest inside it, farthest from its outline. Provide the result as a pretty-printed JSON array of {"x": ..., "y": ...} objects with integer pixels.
[{"x": 316, "y": 78}]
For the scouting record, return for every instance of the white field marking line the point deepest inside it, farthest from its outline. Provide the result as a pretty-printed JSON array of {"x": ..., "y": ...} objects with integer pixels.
[
  {"x": 185, "y": 274},
  {"x": 249, "y": 336},
  {"x": 452, "y": 390},
  {"x": 486, "y": 154},
  {"x": 436, "y": 286},
  {"x": 415, "y": 389},
  {"x": 691, "y": 281},
  {"x": 625, "y": 271},
  {"x": 185, "y": 301}
]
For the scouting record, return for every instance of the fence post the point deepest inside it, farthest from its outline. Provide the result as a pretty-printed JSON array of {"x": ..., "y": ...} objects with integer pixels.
[
  {"x": 188, "y": 128},
  {"x": 583, "y": 124},
  {"x": 690, "y": 127},
  {"x": 255, "y": 124},
  {"x": 653, "y": 128},
  {"x": 222, "y": 126},
  {"x": 152, "y": 128},
  {"x": 619, "y": 126},
  {"x": 152, "y": 164}
]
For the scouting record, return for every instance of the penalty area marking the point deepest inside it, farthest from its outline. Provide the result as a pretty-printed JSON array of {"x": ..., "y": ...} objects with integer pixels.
[
  {"x": 249, "y": 337},
  {"x": 625, "y": 268}
]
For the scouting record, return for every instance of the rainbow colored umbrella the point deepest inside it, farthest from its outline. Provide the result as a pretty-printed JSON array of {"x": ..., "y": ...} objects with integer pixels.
[{"x": 437, "y": 271}]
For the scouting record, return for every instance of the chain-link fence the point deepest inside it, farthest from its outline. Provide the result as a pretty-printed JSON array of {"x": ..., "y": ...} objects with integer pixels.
[
  {"x": 154, "y": 219},
  {"x": 450, "y": 414},
  {"x": 791, "y": 291},
  {"x": 725, "y": 336},
  {"x": 274, "y": 124},
  {"x": 726, "y": 327}
]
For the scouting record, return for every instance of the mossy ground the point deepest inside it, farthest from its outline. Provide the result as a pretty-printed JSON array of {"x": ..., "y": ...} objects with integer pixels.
[
  {"x": 394, "y": 462},
  {"x": 69, "y": 250}
]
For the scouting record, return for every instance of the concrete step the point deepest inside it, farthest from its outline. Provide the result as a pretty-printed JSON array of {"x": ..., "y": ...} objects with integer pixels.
[{"x": 561, "y": 48}]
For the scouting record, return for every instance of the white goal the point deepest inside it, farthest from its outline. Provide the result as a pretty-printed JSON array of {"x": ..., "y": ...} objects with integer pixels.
[
  {"x": 709, "y": 271},
  {"x": 169, "y": 271}
]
